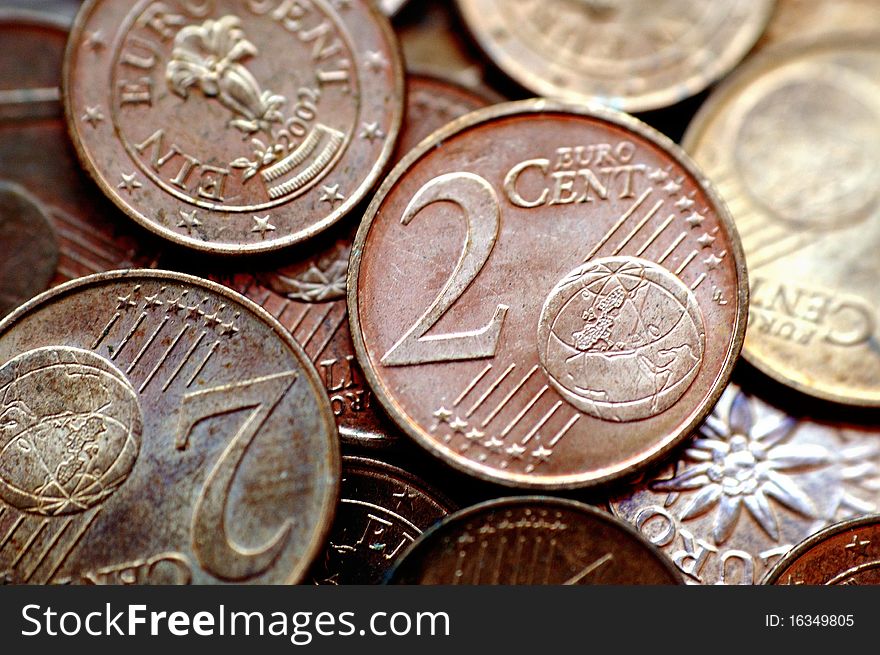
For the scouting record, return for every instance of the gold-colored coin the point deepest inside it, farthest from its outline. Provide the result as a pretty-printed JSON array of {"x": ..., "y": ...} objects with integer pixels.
[{"x": 791, "y": 142}]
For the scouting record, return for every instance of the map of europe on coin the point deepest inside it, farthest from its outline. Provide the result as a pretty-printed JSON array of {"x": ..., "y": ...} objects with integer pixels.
[
  {"x": 234, "y": 126},
  {"x": 159, "y": 429},
  {"x": 547, "y": 296}
]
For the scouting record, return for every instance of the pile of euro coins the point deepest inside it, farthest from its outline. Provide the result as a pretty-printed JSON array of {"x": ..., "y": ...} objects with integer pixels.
[{"x": 467, "y": 292}]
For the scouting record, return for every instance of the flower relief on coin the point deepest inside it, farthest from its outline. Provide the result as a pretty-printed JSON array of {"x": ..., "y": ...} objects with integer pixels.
[
  {"x": 248, "y": 125},
  {"x": 751, "y": 484}
]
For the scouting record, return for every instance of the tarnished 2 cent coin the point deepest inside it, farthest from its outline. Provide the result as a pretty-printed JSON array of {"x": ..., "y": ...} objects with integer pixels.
[
  {"x": 157, "y": 428},
  {"x": 753, "y": 482},
  {"x": 382, "y": 510},
  {"x": 234, "y": 126},
  {"x": 533, "y": 541},
  {"x": 633, "y": 55},
  {"x": 844, "y": 554},
  {"x": 804, "y": 190},
  {"x": 53, "y": 225},
  {"x": 546, "y": 295}
]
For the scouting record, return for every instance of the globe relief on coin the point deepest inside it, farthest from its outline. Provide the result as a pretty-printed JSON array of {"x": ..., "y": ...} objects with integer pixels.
[
  {"x": 547, "y": 296},
  {"x": 234, "y": 126},
  {"x": 154, "y": 429}
]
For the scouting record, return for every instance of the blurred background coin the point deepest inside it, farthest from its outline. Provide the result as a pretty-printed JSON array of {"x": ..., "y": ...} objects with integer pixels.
[
  {"x": 632, "y": 55},
  {"x": 382, "y": 510},
  {"x": 844, "y": 554},
  {"x": 532, "y": 541},
  {"x": 158, "y": 428},
  {"x": 433, "y": 101},
  {"x": 243, "y": 128},
  {"x": 753, "y": 482},
  {"x": 53, "y": 225},
  {"x": 791, "y": 141},
  {"x": 547, "y": 296}
]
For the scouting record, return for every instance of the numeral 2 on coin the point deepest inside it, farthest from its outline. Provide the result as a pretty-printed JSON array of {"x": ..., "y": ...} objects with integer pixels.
[
  {"x": 221, "y": 557},
  {"x": 476, "y": 197}
]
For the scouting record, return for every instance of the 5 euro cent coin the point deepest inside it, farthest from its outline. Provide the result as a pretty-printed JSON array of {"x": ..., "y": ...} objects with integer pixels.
[{"x": 546, "y": 295}]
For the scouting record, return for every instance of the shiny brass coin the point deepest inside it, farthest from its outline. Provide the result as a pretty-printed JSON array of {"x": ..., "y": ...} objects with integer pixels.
[
  {"x": 158, "y": 428},
  {"x": 844, "y": 554},
  {"x": 234, "y": 127},
  {"x": 533, "y": 541},
  {"x": 633, "y": 55},
  {"x": 753, "y": 482},
  {"x": 546, "y": 295},
  {"x": 803, "y": 189},
  {"x": 382, "y": 510},
  {"x": 53, "y": 225},
  {"x": 803, "y": 19}
]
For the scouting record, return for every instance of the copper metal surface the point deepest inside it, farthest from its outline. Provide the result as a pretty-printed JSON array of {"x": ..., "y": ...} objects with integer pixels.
[
  {"x": 632, "y": 55},
  {"x": 595, "y": 310},
  {"x": 532, "y": 540},
  {"x": 752, "y": 483},
  {"x": 53, "y": 225},
  {"x": 230, "y": 126},
  {"x": 382, "y": 510},
  {"x": 803, "y": 189},
  {"x": 845, "y": 554},
  {"x": 158, "y": 428}
]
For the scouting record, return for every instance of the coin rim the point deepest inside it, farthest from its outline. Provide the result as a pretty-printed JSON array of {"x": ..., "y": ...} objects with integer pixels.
[
  {"x": 565, "y": 503},
  {"x": 773, "y": 575},
  {"x": 522, "y": 108},
  {"x": 361, "y": 462},
  {"x": 731, "y": 89},
  {"x": 328, "y": 511},
  {"x": 366, "y": 186},
  {"x": 660, "y": 99}
]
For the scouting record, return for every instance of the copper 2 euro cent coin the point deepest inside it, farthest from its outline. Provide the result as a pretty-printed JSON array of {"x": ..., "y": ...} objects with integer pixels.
[
  {"x": 847, "y": 553},
  {"x": 533, "y": 541},
  {"x": 158, "y": 428},
  {"x": 234, "y": 126},
  {"x": 633, "y": 55},
  {"x": 546, "y": 295}
]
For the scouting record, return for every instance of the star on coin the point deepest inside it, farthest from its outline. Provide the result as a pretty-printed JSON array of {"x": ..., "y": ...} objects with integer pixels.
[
  {"x": 859, "y": 546},
  {"x": 712, "y": 261},
  {"x": 129, "y": 183},
  {"x": 189, "y": 220},
  {"x": 684, "y": 203},
  {"x": 695, "y": 220},
  {"x": 494, "y": 443},
  {"x": 330, "y": 194},
  {"x": 262, "y": 225},
  {"x": 458, "y": 425},
  {"x": 94, "y": 41},
  {"x": 541, "y": 454},
  {"x": 153, "y": 301},
  {"x": 672, "y": 187},
  {"x": 475, "y": 435},
  {"x": 658, "y": 175},
  {"x": 443, "y": 415},
  {"x": 372, "y": 132},
  {"x": 515, "y": 451},
  {"x": 375, "y": 61},
  {"x": 93, "y": 116},
  {"x": 706, "y": 240}
]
